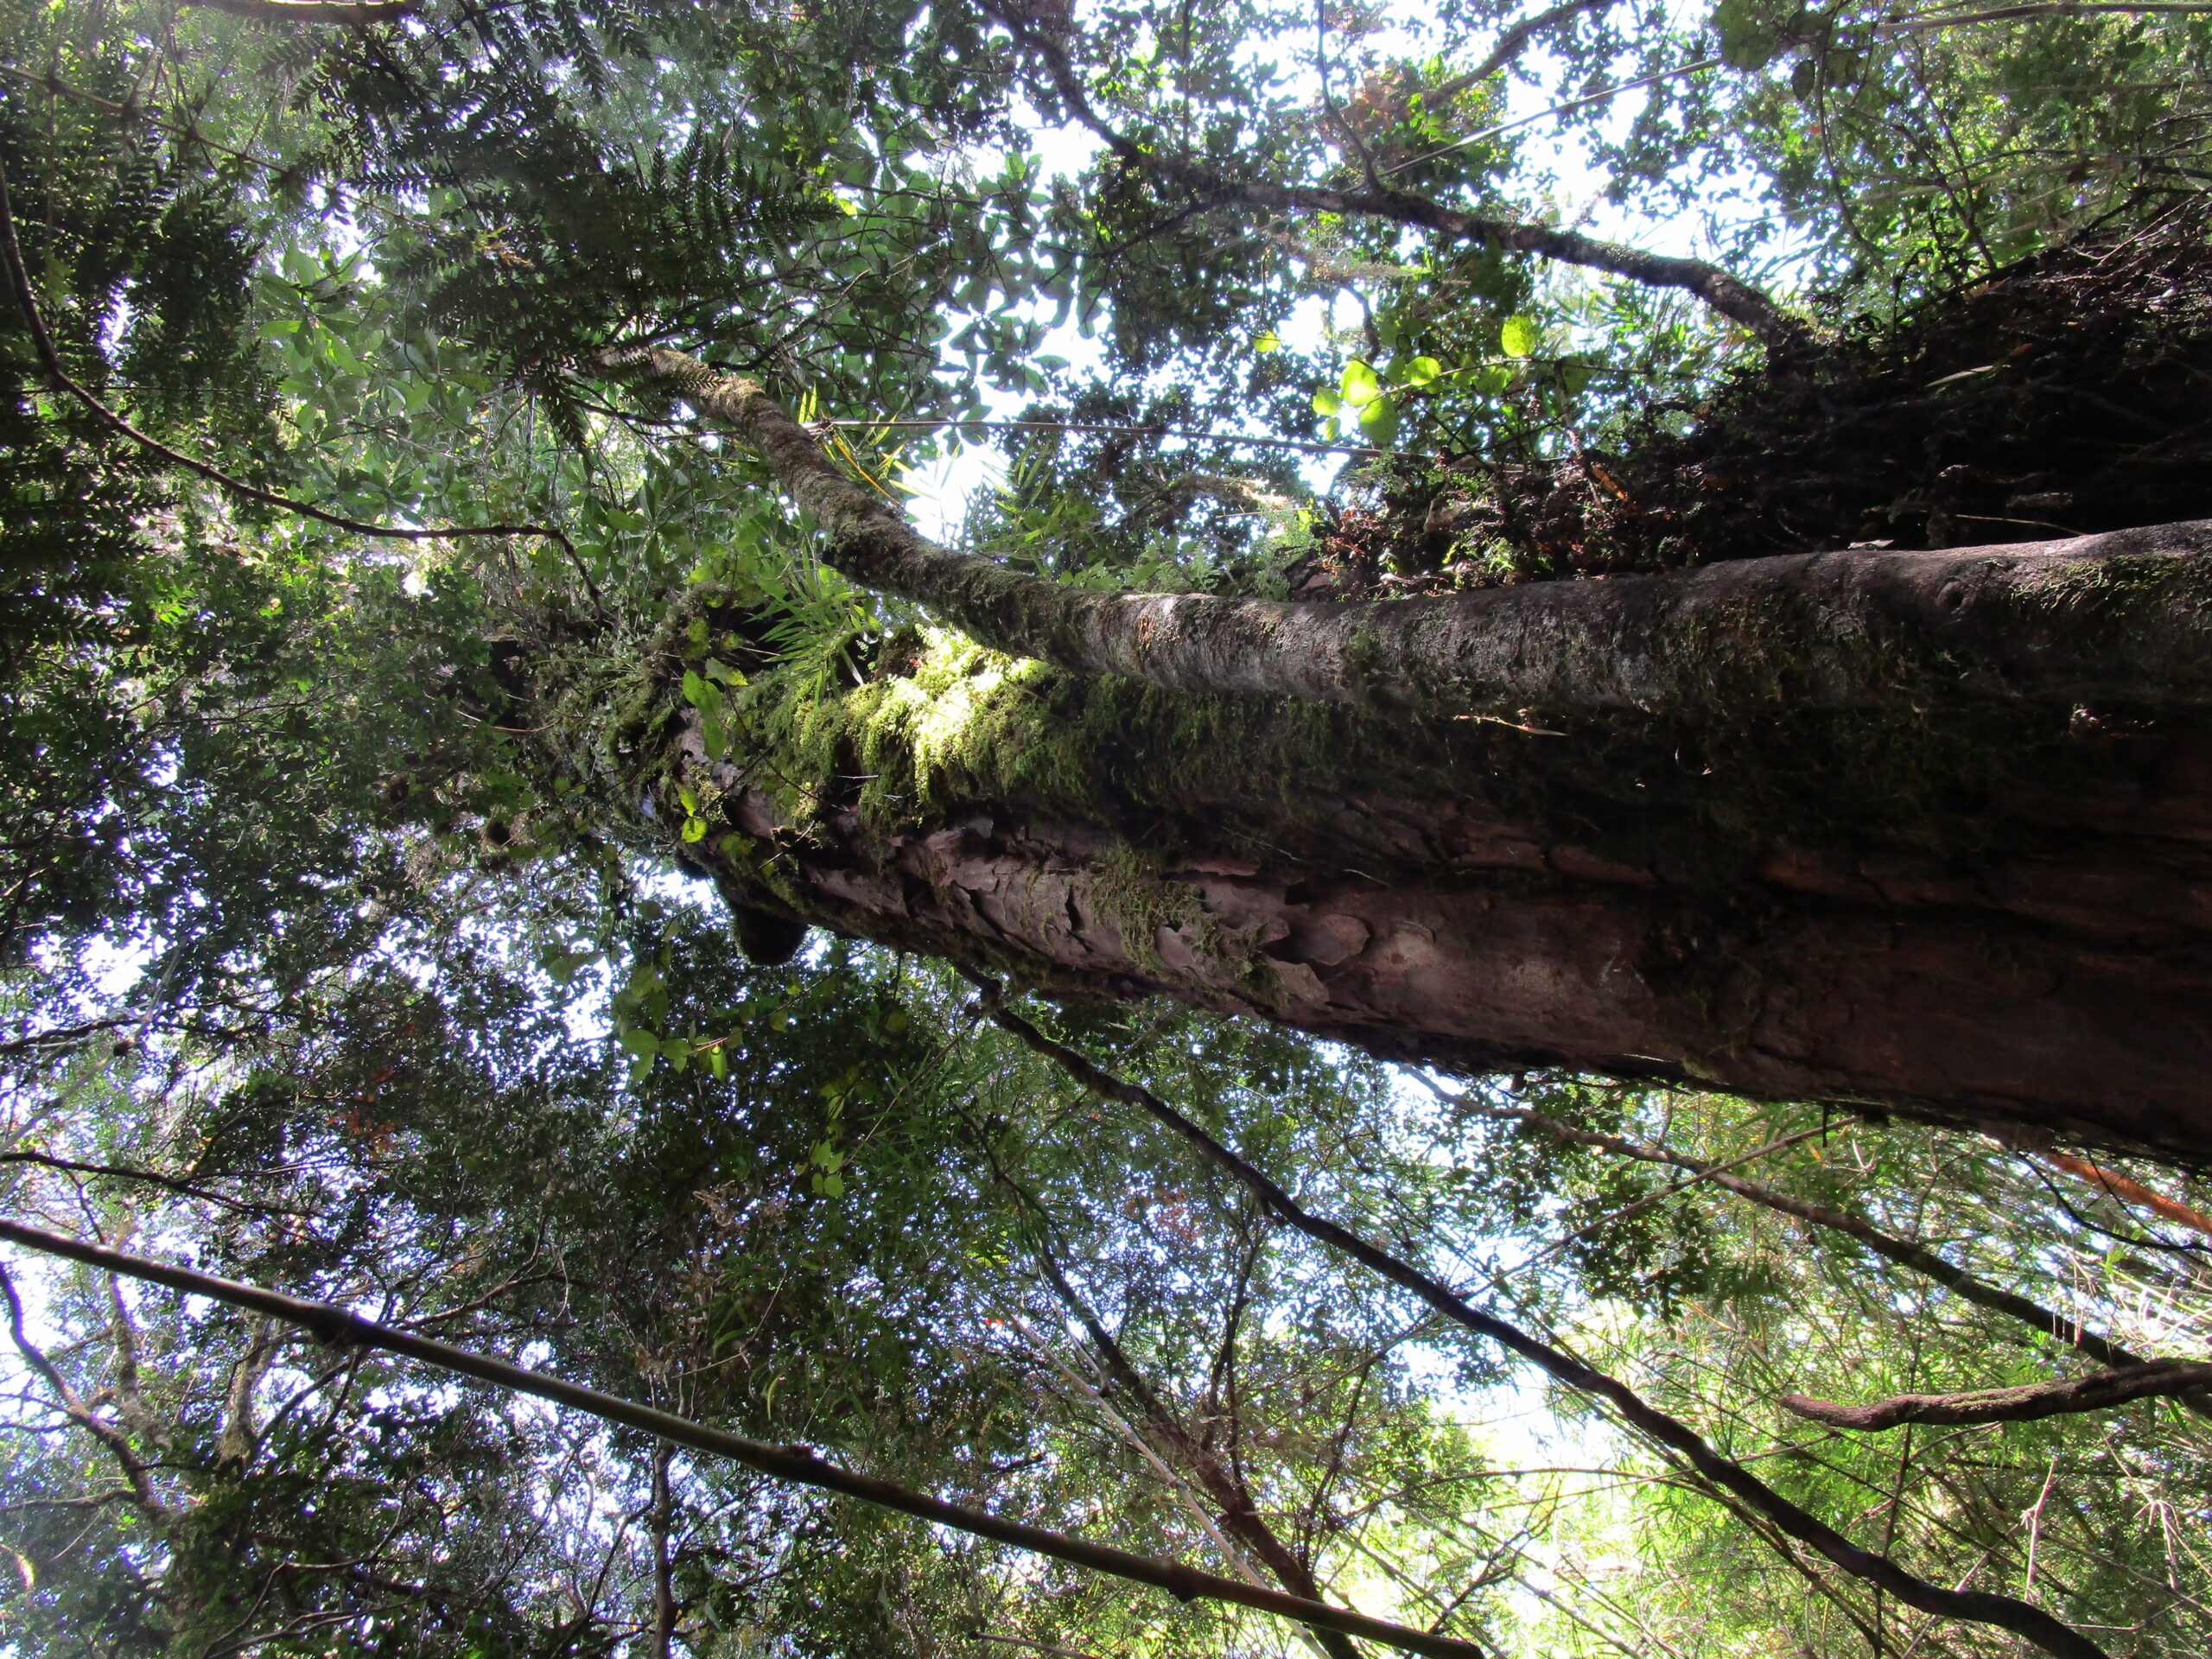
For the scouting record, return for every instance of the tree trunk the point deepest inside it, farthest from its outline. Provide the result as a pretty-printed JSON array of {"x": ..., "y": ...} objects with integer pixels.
[{"x": 1989, "y": 916}]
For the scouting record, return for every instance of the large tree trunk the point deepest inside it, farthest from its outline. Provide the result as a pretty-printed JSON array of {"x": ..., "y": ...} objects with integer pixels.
[
  {"x": 1930, "y": 831},
  {"x": 2000, "y": 918}
]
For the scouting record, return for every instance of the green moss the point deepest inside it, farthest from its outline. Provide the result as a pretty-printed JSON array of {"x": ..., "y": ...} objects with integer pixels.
[{"x": 1129, "y": 890}]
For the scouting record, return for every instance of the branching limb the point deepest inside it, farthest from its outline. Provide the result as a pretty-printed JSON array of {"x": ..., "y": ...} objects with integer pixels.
[
  {"x": 1512, "y": 43},
  {"x": 2020, "y": 1405},
  {"x": 1904, "y": 1252},
  {"x": 1728, "y": 294},
  {"x": 75, "y": 1408},
  {"x": 794, "y": 1464},
  {"x": 2134, "y": 1192},
  {"x": 2006, "y": 1612},
  {"x": 1221, "y": 1485}
]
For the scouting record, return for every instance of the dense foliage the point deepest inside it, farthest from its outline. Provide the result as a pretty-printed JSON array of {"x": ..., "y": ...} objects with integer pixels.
[{"x": 322, "y": 971}]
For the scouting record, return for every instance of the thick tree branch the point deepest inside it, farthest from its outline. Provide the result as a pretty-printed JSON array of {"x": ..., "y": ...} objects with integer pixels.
[
  {"x": 794, "y": 1466},
  {"x": 2121, "y": 616},
  {"x": 1904, "y": 1252},
  {"x": 1730, "y": 296},
  {"x": 2120, "y": 1186},
  {"x": 2020, "y": 1405},
  {"x": 2004, "y": 1611}
]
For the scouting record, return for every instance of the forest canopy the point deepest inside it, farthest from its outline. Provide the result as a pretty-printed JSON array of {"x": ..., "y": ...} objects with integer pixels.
[{"x": 1411, "y": 807}]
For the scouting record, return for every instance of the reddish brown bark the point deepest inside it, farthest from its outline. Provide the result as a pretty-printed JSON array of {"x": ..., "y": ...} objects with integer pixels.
[{"x": 2063, "y": 987}]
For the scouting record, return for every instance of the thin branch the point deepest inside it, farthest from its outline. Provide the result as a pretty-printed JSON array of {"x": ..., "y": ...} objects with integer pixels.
[
  {"x": 1510, "y": 44},
  {"x": 74, "y": 1406},
  {"x": 1961, "y": 1283},
  {"x": 1728, "y": 294},
  {"x": 2004, "y": 1611},
  {"x": 128, "y": 1173},
  {"x": 2120, "y": 1186},
  {"x": 794, "y": 1464},
  {"x": 2021, "y": 1405},
  {"x": 27, "y": 299}
]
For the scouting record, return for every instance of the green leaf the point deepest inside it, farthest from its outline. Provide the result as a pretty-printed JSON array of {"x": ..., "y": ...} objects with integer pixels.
[
  {"x": 695, "y": 688},
  {"x": 1361, "y": 386},
  {"x": 1326, "y": 402},
  {"x": 1420, "y": 372},
  {"x": 1493, "y": 380},
  {"x": 694, "y": 828},
  {"x": 1518, "y": 337},
  {"x": 1378, "y": 422},
  {"x": 1270, "y": 341}
]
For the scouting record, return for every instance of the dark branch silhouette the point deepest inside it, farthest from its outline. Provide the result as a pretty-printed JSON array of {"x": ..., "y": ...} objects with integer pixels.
[
  {"x": 1982, "y": 1606},
  {"x": 1918, "y": 1257},
  {"x": 1728, "y": 294},
  {"x": 795, "y": 1464}
]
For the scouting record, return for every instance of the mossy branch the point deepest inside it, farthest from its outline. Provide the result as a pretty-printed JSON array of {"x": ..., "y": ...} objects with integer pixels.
[
  {"x": 2125, "y": 617},
  {"x": 2022, "y": 1405}
]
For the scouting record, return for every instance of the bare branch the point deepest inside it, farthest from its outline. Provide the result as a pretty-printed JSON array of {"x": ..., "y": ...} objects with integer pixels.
[
  {"x": 2021, "y": 1405},
  {"x": 1982, "y": 1607}
]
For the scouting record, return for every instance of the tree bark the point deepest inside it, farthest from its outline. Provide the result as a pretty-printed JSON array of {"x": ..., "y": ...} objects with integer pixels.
[
  {"x": 2120, "y": 618},
  {"x": 1929, "y": 832},
  {"x": 2058, "y": 987}
]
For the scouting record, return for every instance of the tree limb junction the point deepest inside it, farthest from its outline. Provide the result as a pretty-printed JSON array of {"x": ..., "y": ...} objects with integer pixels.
[
  {"x": 1729, "y": 295},
  {"x": 1980, "y": 1606}
]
